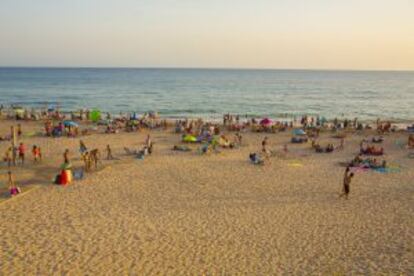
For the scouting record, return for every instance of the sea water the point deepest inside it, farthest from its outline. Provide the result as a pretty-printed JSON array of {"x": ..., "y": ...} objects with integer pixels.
[{"x": 209, "y": 93}]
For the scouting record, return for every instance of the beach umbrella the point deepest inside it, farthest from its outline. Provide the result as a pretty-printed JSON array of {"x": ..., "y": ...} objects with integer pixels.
[
  {"x": 299, "y": 132},
  {"x": 95, "y": 115},
  {"x": 70, "y": 124},
  {"x": 266, "y": 122},
  {"x": 190, "y": 139}
]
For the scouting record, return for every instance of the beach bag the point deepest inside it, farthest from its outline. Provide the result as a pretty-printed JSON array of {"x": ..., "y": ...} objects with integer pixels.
[{"x": 57, "y": 179}]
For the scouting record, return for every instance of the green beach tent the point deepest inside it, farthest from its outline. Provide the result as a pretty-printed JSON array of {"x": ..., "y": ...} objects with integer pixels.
[{"x": 95, "y": 115}]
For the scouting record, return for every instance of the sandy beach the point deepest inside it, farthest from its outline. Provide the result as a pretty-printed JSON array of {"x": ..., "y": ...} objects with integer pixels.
[{"x": 182, "y": 213}]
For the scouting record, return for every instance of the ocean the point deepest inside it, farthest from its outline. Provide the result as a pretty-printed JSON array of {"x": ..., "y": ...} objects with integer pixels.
[{"x": 209, "y": 93}]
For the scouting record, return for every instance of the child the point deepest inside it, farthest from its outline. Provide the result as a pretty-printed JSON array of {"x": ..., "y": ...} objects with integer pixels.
[
  {"x": 22, "y": 151},
  {"x": 14, "y": 190},
  {"x": 37, "y": 155}
]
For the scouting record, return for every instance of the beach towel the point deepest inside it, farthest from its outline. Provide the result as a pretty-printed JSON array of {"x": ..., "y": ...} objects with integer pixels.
[
  {"x": 359, "y": 169},
  {"x": 78, "y": 174},
  {"x": 387, "y": 170},
  {"x": 295, "y": 164}
]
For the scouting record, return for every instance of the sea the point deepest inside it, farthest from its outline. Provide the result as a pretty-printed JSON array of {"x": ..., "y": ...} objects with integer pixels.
[{"x": 210, "y": 93}]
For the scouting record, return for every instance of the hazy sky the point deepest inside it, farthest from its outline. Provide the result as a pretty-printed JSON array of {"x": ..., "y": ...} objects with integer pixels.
[{"x": 327, "y": 34}]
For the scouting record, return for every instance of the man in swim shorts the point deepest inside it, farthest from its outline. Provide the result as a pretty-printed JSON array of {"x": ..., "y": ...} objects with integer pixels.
[{"x": 347, "y": 182}]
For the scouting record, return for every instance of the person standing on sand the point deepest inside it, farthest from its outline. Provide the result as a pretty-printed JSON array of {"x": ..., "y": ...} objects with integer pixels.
[
  {"x": 346, "y": 183},
  {"x": 109, "y": 153},
  {"x": 8, "y": 157},
  {"x": 264, "y": 145},
  {"x": 22, "y": 152},
  {"x": 66, "y": 156},
  {"x": 37, "y": 155},
  {"x": 19, "y": 130}
]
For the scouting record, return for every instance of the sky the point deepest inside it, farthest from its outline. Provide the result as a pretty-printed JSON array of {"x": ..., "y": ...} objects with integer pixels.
[{"x": 289, "y": 34}]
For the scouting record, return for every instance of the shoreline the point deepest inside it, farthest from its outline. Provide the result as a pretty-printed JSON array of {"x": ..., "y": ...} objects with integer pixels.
[{"x": 218, "y": 118}]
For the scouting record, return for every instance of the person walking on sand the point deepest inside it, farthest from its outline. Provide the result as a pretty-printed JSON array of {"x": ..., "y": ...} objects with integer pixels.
[{"x": 346, "y": 183}]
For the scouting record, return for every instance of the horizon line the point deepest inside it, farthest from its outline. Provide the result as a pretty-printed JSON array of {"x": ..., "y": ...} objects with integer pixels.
[{"x": 203, "y": 68}]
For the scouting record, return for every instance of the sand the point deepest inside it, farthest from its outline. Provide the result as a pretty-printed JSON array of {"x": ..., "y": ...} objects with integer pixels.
[{"x": 180, "y": 213}]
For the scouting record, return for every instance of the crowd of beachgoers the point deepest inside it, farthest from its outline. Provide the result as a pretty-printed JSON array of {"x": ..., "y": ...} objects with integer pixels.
[
  {"x": 210, "y": 136},
  {"x": 255, "y": 195}
]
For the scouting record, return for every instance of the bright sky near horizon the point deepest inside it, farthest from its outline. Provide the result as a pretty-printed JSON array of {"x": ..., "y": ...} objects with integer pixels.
[{"x": 322, "y": 34}]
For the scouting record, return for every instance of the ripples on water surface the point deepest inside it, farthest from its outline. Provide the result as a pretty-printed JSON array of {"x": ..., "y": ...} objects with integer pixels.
[{"x": 212, "y": 92}]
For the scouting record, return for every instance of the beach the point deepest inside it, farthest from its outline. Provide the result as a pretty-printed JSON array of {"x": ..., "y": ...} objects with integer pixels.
[{"x": 182, "y": 213}]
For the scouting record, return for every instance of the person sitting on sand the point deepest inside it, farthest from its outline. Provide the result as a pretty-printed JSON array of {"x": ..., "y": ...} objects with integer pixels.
[
  {"x": 14, "y": 190},
  {"x": 356, "y": 161},
  {"x": 37, "y": 154},
  {"x": 181, "y": 148},
  {"x": 329, "y": 148},
  {"x": 377, "y": 139},
  {"x": 256, "y": 159},
  {"x": 316, "y": 146},
  {"x": 410, "y": 143},
  {"x": 224, "y": 142},
  {"x": 109, "y": 153},
  {"x": 346, "y": 183},
  {"x": 374, "y": 164}
]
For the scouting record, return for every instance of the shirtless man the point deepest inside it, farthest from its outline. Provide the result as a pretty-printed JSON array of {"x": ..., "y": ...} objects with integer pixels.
[
  {"x": 109, "y": 153},
  {"x": 347, "y": 182}
]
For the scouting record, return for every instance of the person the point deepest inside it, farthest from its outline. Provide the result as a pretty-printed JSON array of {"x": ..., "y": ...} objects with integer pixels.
[
  {"x": 37, "y": 155},
  {"x": 239, "y": 138},
  {"x": 342, "y": 144},
  {"x": 22, "y": 151},
  {"x": 8, "y": 157},
  {"x": 346, "y": 183},
  {"x": 255, "y": 159},
  {"x": 14, "y": 190},
  {"x": 82, "y": 147},
  {"x": 264, "y": 145},
  {"x": 19, "y": 130},
  {"x": 109, "y": 153},
  {"x": 285, "y": 148},
  {"x": 329, "y": 148},
  {"x": 66, "y": 173},
  {"x": 149, "y": 144},
  {"x": 66, "y": 156},
  {"x": 410, "y": 143}
]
